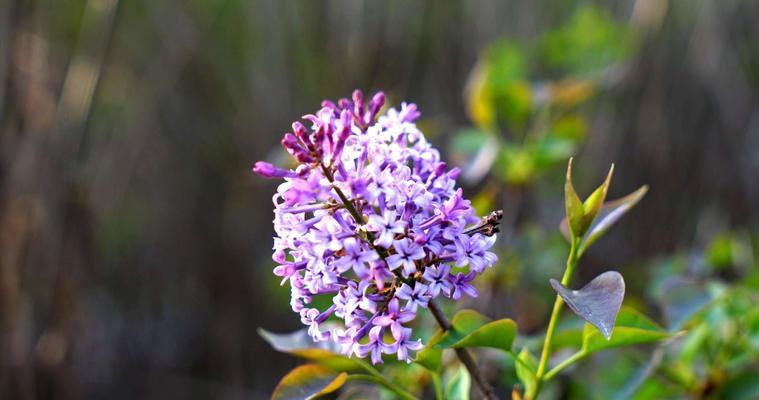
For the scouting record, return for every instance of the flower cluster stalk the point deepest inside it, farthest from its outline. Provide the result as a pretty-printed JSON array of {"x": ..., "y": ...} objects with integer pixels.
[
  {"x": 442, "y": 320},
  {"x": 540, "y": 375}
]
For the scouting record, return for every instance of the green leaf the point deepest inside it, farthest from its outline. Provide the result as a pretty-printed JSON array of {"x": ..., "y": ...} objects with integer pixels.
[
  {"x": 631, "y": 328},
  {"x": 430, "y": 357},
  {"x": 507, "y": 63},
  {"x": 300, "y": 344},
  {"x": 573, "y": 205},
  {"x": 459, "y": 386},
  {"x": 591, "y": 41},
  {"x": 549, "y": 151},
  {"x": 610, "y": 213},
  {"x": 607, "y": 216},
  {"x": 526, "y": 369},
  {"x": 516, "y": 164},
  {"x": 471, "y": 329},
  {"x": 498, "y": 334},
  {"x": 464, "y": 323},
  {"x": 595, "y": 201},
  {"x": 307, "y": 382}
]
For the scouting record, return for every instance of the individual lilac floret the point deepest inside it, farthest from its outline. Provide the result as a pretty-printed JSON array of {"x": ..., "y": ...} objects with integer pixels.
[
  {"x": 386, "y": 226},
  {"x": 407, "y": 253},
  {"x": 404, "y": 344},
  {"x": 394, "y": 317},
  {"x": 371, "y": 218},
  {"x": 376, "y": 346},
  {"x": 417, "y": 297}
]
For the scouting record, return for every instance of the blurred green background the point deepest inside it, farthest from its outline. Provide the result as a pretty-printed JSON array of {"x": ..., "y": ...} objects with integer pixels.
[{"x": 135, "y": 242}]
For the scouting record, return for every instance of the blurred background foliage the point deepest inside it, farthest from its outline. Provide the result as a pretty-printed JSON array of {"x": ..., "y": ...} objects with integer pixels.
[{"x": 134, "y": 241}]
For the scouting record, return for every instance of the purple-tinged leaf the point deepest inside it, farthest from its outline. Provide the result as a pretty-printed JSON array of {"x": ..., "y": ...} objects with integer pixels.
[
  {"x": 300, "y": 344},
  {"x": 598, "y": 302},
  {"x": 308, "y": 381}
]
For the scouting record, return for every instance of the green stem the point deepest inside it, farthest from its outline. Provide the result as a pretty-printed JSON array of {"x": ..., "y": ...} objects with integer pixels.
[
  {"x": 438, "y": 386},
  {"x": 569, "y": 361},
  {"x": 557, "y": 306},
  {"x": 379, "y": 379}
]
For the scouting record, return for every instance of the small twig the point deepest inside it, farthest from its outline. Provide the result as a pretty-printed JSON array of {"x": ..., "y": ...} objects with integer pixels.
[{"x": 464, "y": 356}]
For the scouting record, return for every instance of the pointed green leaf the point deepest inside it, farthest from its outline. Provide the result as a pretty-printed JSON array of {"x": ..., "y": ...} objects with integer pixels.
[
  {"x": 595, "y": 201},
  {"x": 460, "y": 386},
  {"x": 610, "y": 213},
  {"x": 526, "y": 369},
  {"x": 300, "y": 344},
  {"x": 307, "y": 382},
  {"x": 472, "y": 329},
  {"x": 598, "y": 302},
  {"x": 631, "y": 328},
  {"x": 573, "y": 205}
]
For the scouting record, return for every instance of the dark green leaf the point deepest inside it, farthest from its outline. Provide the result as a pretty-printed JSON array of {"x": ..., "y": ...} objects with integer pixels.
[
  {"x": 497, "y": 334},
  {"x": 598, "y": 302},
  {"x": 471, "y": 329},
  {"x": 464, "y": 323},
  {"x": 307, "y": 382}
]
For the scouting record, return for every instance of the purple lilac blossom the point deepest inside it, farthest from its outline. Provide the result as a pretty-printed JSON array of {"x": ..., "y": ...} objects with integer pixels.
[{"x": 372, "y": 218}]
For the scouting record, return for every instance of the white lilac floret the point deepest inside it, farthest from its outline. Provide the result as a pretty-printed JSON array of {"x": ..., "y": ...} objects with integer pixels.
[{"x": 372, "y": 218}]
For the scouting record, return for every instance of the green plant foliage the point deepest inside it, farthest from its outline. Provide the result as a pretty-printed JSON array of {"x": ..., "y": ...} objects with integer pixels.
[
  {"x": 580, "y": 215},
  {"x": 459, "y": 386},
  {"x": 589, "y": 42},
  {"x": 308, "y": 381},
  {"x": 431, "y": 356},
  {"x": 631, "y": 328},
  {"x": 471, "y": 329},
  {"x": 525, "y": 369},
  {"x": 573, "y": 207},
  {"x": 609, "y": 214}
]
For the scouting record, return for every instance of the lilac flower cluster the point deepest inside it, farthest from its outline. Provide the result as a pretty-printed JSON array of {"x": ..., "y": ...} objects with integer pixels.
[{"x": 372, "y": 217}]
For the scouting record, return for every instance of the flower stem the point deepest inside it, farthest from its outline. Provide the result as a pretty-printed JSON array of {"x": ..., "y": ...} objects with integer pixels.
[
  {"x": 540, "y": 375},
  {"x": 464, "y": 356},
  {"x": 352, "y": 211},
  {"x": 569, "y": 361}
]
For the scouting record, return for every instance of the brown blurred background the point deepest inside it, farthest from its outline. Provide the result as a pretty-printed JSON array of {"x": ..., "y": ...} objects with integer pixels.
[{"x": 135, "y": 242}]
